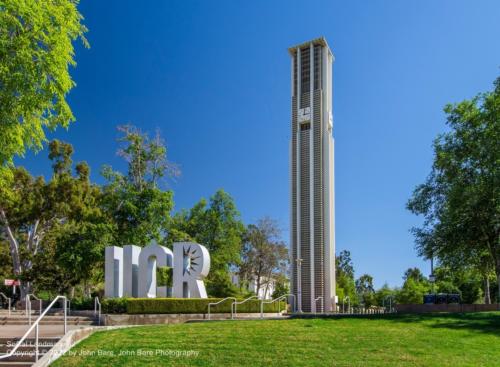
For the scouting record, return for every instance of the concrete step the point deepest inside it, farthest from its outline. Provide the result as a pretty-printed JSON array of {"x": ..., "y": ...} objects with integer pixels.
[
  {"x": 46, "y": 317},
  {"x": 15, "y": 364},
  {"x": 43, "y": 322},
  {"x": 23, "y": 357},
  {"x": 25, "y": 354},
  {"x": 48, "y": 320},
  {"x": 4, "y": 349}
]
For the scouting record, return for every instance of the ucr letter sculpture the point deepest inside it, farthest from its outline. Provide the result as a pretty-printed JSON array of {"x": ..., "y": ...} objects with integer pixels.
[{"x": 131, "y": 271}]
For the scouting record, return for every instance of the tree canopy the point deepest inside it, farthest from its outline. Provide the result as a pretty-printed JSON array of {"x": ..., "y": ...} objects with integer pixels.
[
  {"x": 35, "y": 55},
  {"x": 135, "y": 202},
  {"x": 264, "y": 257},
  {"x": 217, "y": 225},
  {"x": 460, "y": 200}
]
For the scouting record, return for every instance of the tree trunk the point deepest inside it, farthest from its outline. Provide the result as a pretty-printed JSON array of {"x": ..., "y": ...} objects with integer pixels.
[
  {"x": 487, "y": 295},
  {"x": 25, "y": 289},
  {"x": 13, "y": 244},
  {"x": 498, "y": 279},
  {"x": 258, "y": 285},
  {"x": 498, "y": 282}
]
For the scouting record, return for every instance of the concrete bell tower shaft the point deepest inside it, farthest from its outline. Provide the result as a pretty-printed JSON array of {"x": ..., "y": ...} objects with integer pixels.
[{"x": 312, "y": 177}]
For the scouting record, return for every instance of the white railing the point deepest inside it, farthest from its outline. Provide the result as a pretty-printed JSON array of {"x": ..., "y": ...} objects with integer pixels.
[
  {"x": 322, "y": 303},
  {"x": 285, "y": 296},
  {"x": 35, "y": 327},
  {"x": 216, "y": 303},
  {"x": 27, "y": 306},
  {"x": 235, "y": 303},
  {"x": 9, "y": 301},
  {"x": 97, "y": 307}
]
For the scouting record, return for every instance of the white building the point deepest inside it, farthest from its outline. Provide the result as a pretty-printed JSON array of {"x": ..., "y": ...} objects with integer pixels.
[
  {"x": 312, "y": 227},
  {"x": 265, "y": 291}
]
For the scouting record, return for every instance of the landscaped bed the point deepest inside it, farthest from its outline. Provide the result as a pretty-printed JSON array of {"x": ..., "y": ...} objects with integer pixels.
[{"x": 392, "y": 340}]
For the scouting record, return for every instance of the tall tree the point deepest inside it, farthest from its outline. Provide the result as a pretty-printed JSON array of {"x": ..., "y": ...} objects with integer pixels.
[
  {"x": 33, "y": 209},
  {"x": 415, "y": 274},
  {"x": 365, "y": 289},
  {"x": 36, "y": 50},
  {"x": 218, "y": 226},
  {"x": 460, "y": 200},
  {"x": 264, "y": 256},
  {"x": 135, "y": 201},
  {"x": 344, "y": 276},
  {"x": 344, "y": 264},
  {"x": 412, "y": 292}
]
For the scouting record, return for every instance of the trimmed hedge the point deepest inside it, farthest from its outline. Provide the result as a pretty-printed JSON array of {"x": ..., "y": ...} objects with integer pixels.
[
  {"x": 192, "y": 305},
  {"x": 114, "y": 305}
]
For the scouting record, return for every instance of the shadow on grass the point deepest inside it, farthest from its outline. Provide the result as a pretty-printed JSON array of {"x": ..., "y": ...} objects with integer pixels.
[{"x": 481, "y": 322}]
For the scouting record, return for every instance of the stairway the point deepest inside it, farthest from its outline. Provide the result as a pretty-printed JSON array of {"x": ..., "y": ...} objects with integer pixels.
[
  {"x": 47, "y": 320},
  {"x": 25, "y": 355},
  {"x": 50, "y": 332}
]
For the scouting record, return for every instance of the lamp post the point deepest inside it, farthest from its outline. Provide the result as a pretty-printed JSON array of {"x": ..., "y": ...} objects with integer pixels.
[{"x": 299, "y": 284}]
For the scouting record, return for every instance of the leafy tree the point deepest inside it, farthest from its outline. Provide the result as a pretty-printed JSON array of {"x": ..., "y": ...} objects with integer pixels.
[
  {"x": 281, "y": 287},
  {"x": 35, "y": 212},
  {"x": 460, "y": 199},
  {"x": 5, "y": 266},
  {"x": 134, "y": 202},
  {"x": 414, "y": 287},
  {"x": 382, "y": 295},
  {"x": 415, "y": 274},
  {"x": 36, "y": 51},
  {"x": 365, "y": 290},
  {"x": 264, "y": 255},
  {"x": 412, "y": 292},
  {"x": 344, "y": 264},
  {"x": 344, "y": 276},
  {"x": 216, "y": 225},
  {"x": 465, "y": 281}
]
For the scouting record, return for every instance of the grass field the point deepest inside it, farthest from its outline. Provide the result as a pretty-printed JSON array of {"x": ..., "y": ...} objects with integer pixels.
[{"x": 396, "y": 340}]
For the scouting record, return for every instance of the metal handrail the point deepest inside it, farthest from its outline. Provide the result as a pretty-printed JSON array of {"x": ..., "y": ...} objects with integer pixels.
[
  {"x": 235, "y": 303},
  {"x": 278, "y": 299},
  {"x": 27, "y": 306},
  {"x": 322, "y": 302},
  {"x": 8, "y": 299},
  {"x": 97, "y": 305},
  {"x": 35, "y": 326},
  {"x": 216, "y": 303}
]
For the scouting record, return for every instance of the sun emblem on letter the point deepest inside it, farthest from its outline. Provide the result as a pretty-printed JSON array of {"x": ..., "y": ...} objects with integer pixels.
[{"x": 190, "y": 260}]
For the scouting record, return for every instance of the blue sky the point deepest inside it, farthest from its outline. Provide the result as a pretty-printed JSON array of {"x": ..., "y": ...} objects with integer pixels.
[{"x": 213, "y": 76}]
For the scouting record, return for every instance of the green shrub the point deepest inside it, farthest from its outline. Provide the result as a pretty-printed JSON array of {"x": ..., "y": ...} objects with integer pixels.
[
  {"x": 82, "y": 304},
  {"x": 193, "y": 305},
  {"x": 164, "y": 276},
  {"x": 114, "y": 305}
]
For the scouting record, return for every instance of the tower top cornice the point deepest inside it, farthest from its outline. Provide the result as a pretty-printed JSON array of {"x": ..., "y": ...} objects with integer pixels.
[{"x": 317, "y": 41}]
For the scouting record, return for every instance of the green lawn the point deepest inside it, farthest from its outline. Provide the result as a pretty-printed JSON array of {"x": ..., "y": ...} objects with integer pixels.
[{"x": 412, "y": 340}]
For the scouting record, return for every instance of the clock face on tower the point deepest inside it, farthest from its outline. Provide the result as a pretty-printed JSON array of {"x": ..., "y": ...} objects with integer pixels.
[{"x": 304, "y": 114}]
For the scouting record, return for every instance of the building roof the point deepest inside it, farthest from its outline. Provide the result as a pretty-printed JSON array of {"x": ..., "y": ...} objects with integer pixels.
[{"x": 317, "y": 41}]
